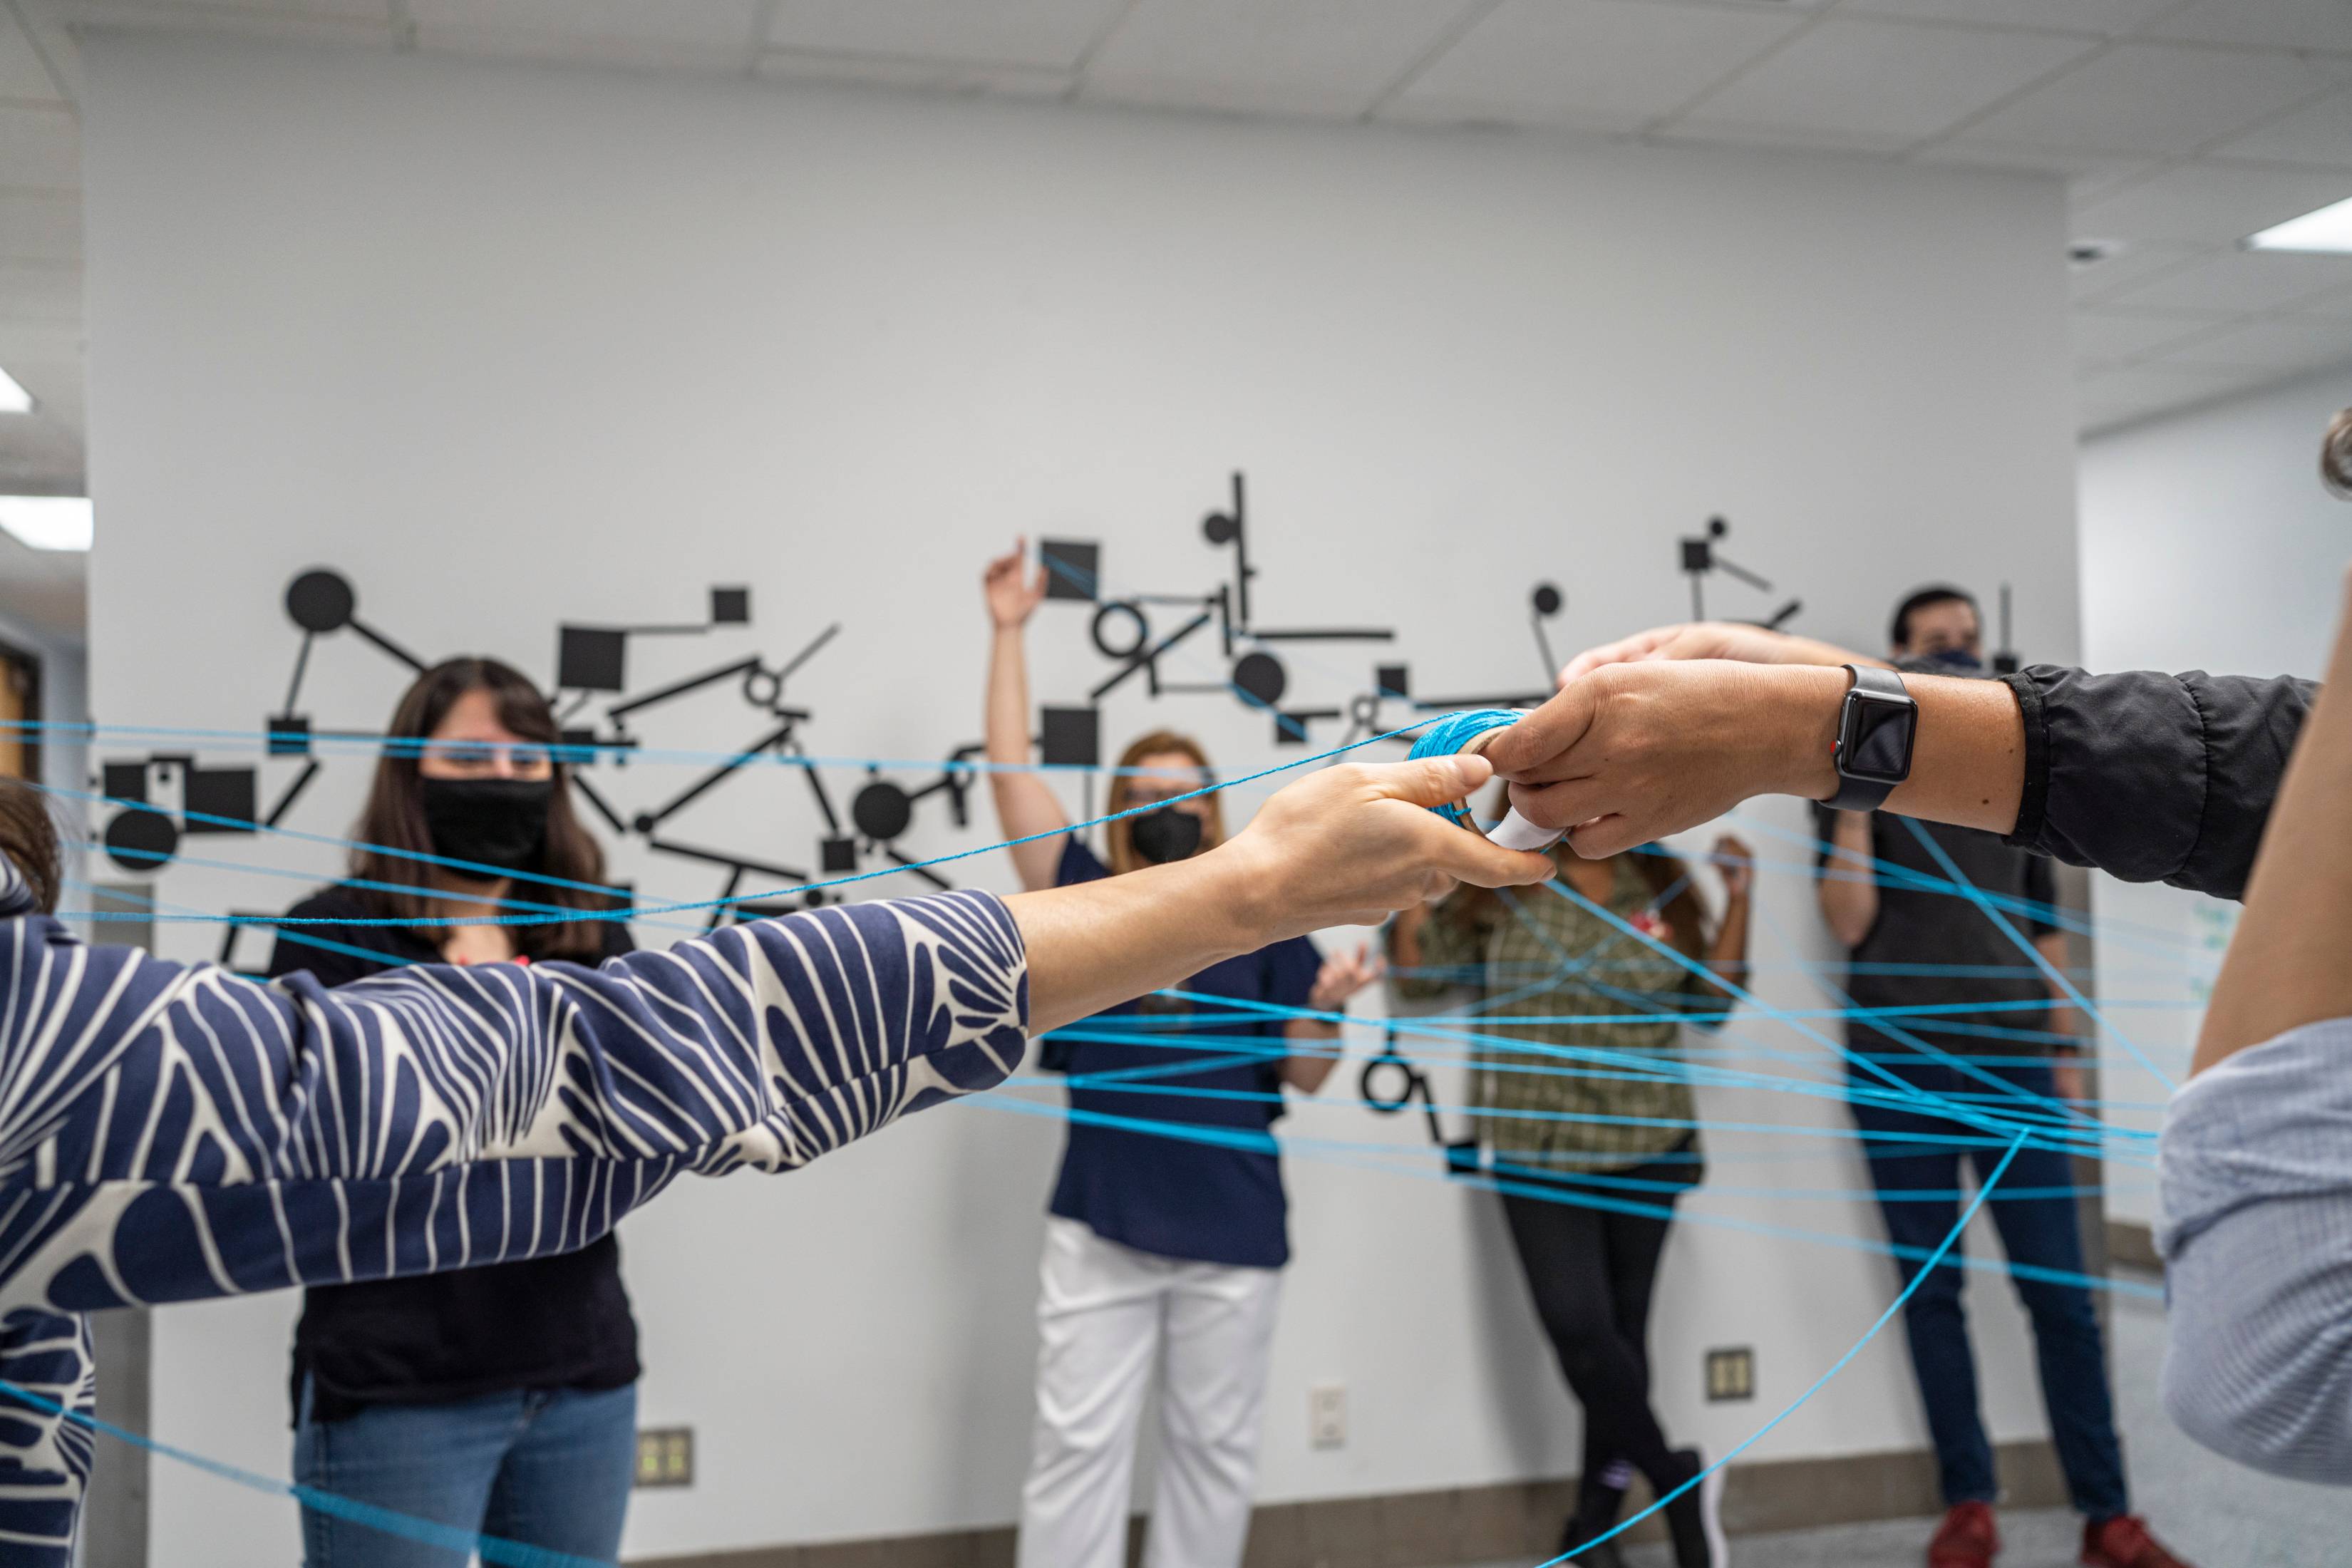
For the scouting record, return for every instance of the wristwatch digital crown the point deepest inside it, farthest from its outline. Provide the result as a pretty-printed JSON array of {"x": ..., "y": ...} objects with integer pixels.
[{"x": 1875, "y": 728}]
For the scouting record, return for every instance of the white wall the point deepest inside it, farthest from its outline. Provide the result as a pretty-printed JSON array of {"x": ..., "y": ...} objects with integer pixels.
[
  {"x": 512, "y": 345},
  {"x": 2207, "y": 543}
]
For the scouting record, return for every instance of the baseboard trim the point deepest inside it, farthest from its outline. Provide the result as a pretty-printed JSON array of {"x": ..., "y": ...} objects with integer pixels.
[
  {"x": 1472, "y": 1524},
  {"x": 2133, "y": 1245}
]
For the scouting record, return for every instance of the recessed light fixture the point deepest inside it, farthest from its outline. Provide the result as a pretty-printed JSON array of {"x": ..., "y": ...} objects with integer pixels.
[
  {"x": 48, "y": 522},
  {"x": 2329, "y": 228},
  {"x": 14, "y": 399}
]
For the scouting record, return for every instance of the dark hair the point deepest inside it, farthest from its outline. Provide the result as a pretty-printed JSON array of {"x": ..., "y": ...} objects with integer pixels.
[
  {"x": 1899, "y": 636},
  {"x": 393, "y": 818},
  {"x": 29, "y": 837},
  {"x": 2336, "y": 455}
]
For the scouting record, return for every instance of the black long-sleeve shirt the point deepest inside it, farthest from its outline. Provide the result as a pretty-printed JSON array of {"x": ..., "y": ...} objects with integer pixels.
[{"x": 2154, "y": 777}]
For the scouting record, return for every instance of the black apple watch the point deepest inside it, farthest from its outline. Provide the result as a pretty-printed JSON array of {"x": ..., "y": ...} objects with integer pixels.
[{"x": 1875, "y": 728}]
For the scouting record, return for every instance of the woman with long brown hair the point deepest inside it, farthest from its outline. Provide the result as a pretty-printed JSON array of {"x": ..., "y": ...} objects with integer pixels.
[
  {"x": 500, "y": 1399},
  {"x": 1167, "y": 1229},
  {"x": 225, "y": 1137},
  {"x": 1622, "y": 1132}
]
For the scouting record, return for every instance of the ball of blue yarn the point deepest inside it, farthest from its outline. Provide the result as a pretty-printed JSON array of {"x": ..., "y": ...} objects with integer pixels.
[{"x": 1450, "y": 734}]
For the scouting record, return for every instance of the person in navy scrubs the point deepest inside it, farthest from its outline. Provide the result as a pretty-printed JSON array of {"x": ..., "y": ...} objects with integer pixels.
[{"x": 1166, "y": 1232}]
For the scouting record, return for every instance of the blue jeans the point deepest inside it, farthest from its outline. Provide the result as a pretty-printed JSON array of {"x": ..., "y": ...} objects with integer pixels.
[
  {"x": 2036, "y": 1232},
  {"x": 550, "y": 1469}
]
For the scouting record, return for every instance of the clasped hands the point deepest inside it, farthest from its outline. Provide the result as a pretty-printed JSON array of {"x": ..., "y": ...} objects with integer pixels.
[{"x": 1672, "y": 727}]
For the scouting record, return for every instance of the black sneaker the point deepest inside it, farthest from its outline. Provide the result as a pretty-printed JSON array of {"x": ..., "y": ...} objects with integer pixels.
[
  {"x": 1694, "y": 1520},
  {"x": 1602, "y": 1554}
]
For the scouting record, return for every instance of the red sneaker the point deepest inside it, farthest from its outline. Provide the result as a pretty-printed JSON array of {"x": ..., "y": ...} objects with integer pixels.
[
  {"x": 1966, "y": 1538},
  {"x": 2124, "y": 1541}
]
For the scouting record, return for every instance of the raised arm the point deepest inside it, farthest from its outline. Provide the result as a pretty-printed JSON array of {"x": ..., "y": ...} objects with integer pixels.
[
  {"x": 1848, "y": 888},
  {"x": 1726, "y": 954},
  {"x": 1025, "y": 804}
]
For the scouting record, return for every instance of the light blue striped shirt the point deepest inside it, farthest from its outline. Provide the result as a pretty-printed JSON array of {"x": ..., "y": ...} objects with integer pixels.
[{"x": 2257, "y": 1239}]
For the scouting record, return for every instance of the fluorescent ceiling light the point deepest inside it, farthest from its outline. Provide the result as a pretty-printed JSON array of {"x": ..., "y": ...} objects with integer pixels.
[
  {"x": 14, "y": 399},
  {"x": 48, "y": 522},
  {"x": 2329, "y": 228}
]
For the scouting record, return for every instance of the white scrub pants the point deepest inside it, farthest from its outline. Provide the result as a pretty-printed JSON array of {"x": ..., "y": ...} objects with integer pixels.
[{"x": 1108, "y": 1315}]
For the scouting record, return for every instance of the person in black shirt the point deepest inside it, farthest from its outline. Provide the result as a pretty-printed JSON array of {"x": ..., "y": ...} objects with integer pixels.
[
  {"x": 1917, "y": 940},
  {"x": 501, "y": 1399}
]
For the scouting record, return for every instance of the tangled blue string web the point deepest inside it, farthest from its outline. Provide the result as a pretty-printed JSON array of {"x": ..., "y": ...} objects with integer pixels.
[{"x": 2009, "y": 1118}]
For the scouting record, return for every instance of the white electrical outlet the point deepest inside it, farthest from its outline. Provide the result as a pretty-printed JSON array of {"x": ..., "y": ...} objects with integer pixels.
[{"x": 1327, "y": 1415}]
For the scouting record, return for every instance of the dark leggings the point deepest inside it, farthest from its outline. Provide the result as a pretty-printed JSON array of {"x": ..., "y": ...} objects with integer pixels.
[{"x": 1592, "y": 1271}]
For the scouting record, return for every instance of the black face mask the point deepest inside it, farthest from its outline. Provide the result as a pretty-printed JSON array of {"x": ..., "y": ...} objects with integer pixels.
[
  {"x": 493, "y": 822},
  {"x": 1943, "y": 662},
  {"x": 1165, "y": 835}
]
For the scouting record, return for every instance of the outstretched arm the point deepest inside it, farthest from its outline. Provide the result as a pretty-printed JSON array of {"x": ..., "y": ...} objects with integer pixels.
[
  {"x": 1025, "y": 806},
  {"x": 1633, "y": 752},
  {"x": 2149, "y": 776},
  {"x": 174, "y": 1131}
]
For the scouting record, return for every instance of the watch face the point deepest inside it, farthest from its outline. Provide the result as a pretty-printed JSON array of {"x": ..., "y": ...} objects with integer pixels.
[{"x": 1876, "y": 744}]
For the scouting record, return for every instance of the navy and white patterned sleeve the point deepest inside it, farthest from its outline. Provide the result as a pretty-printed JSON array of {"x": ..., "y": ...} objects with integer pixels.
[
  {"x": 2256, "y": 1168},
  {"x": 171, "y": 1132},
  {"x": 45, "y": 1460}
]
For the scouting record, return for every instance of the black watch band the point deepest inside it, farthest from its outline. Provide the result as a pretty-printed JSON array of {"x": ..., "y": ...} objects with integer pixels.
[{"x": 1875, "y": 730}]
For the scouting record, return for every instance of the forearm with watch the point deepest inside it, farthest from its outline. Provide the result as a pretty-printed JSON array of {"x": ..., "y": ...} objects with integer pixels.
[{"x": 1938, "y": 747}]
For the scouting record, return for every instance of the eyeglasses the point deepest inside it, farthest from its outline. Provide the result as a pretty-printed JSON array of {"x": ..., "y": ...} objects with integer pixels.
[{"x": 483, "y": 756}]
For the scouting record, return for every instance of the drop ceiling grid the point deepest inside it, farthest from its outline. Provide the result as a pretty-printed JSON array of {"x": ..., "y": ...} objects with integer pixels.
[{"x": 2178, "y": 124}]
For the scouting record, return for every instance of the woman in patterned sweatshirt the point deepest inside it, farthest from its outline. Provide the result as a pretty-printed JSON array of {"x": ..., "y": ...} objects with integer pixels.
[{"x": 173, "y": 1133}]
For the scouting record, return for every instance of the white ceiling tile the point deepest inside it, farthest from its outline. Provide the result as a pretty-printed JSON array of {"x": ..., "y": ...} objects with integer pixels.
[
  {"x": 1314, "y": 56},
  {"x": 1043, "y": 33},
  {"x": 2080, "y": 170},
  {"x": 1887, "y": 78},
  {"x": 23, "y": 76},
  {"x": 668, "y": 30},
  {"x": 2320, "y": 133},
  {"x": 2154, "y": 99},
  {"x": 2217, "y": 203},
  {"x": 2272, "y": 343},
  {"x": 919, "y": 75},
  {"x": 1704, "y": 133},
  {"x": 318, "y": 21},
  {"x": 1600, "y": 63},
  {"x": 188, "y": 12},
  {"x": 2101, "y": 335},
  {"x": 2338, "y": 303},
  {"x": 39, "y": 227},
  {"x": 2272, "y": 23},
  {"x": 2104, "y": 16},
  {"x": 40, "y": 147},
  {"x": 2238, "y": 280}
]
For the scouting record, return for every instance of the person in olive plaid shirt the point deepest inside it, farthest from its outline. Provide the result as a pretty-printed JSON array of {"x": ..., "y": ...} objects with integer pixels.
[{"x": 1546, "y": 1120}]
